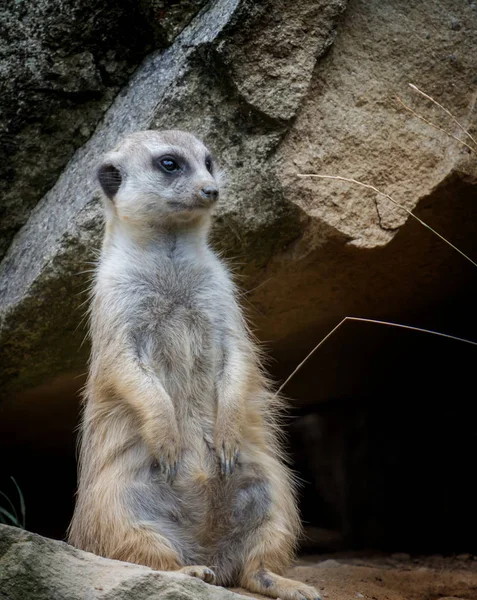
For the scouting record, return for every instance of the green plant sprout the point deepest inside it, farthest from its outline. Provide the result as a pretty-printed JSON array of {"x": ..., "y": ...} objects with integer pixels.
[{"x": 10, "y": 517}]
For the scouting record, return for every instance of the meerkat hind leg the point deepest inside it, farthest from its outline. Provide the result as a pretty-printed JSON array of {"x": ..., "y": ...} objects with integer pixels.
[
  {"x": 269, "y": 540},
  {"x": 264, "y": 555},
  {"x": 146, "y": 548},
  {"x": 264, "y": 549},
  {"x": 256, "y": 538}
]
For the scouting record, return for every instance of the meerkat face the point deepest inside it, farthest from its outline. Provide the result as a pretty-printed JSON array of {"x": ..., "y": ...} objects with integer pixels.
[{"x": 159, "y": 176}]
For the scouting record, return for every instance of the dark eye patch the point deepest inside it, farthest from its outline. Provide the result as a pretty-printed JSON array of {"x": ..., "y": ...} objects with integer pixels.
[
  {"x": 168, "y": 164},
  {"x": 110, "y": 179}
]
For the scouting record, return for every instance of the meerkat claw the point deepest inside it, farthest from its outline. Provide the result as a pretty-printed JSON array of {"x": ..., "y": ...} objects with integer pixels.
[
  {"x": 173, "y": 471},
  {"x": 228, "y": 462},
  {"x": 235, "y": 460},
  {"x": 209, "y": 442},
  {"x": 168, "y": 469},
  {"x": 222, "y": 461}
]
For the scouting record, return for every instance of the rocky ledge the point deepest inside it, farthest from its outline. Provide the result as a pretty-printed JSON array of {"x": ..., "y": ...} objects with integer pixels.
[{"x": 34, "y": 567}]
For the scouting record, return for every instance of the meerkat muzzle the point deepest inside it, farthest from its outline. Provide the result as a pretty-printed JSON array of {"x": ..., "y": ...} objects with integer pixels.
[
  {"x": 209, "y": 193},
  {"x": 206, "y": 197}
]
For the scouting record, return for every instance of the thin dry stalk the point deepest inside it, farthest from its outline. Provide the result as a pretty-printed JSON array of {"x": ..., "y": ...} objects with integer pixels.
[
  {"x": 416, "y": 89},
  {"x": 448, "y": 133},
  {"x": 377, "y": 322},
  {"x": 409, "y": 212}
]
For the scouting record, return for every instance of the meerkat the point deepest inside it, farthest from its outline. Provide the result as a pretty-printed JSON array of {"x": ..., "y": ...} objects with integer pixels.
[{"x": 180, "y": 465}]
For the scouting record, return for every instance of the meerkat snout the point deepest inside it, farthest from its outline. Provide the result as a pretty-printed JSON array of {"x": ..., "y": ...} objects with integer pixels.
[
  {"x": 209, "y": 193},
  {"x": 159, "y": 176}
]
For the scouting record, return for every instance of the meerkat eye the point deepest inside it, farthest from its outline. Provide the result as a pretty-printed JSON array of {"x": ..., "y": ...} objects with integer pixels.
[
  {"x": 208, "y": 164},
  {"x": 168, "y": 164}
]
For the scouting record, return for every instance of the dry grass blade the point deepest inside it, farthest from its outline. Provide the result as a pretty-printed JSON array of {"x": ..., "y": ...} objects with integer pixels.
[
  {"x": 376, "y": 322},
  {"x": 416, "y": 89},
  {"x": 448, "y": 133},
  {"x": 409, "y": 212}
]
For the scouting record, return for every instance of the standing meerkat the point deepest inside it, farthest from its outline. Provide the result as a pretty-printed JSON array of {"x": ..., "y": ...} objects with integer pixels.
[{"x": 180, "y": 467}]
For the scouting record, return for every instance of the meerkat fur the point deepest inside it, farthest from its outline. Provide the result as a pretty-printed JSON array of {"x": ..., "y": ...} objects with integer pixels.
[{"x": 180, "y": 464}]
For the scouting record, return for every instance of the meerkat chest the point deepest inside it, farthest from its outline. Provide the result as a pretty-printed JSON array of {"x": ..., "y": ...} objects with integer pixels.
[{"x": 183, "y": 315}]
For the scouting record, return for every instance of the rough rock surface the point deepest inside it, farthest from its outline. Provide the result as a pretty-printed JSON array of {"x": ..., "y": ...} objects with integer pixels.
[
  {"x": 61, "y": 65},
  {"x": 35, "y": 567}
]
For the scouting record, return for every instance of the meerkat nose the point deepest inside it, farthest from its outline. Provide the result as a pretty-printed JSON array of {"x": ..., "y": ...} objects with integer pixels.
[{"x": 209, "y": 193}]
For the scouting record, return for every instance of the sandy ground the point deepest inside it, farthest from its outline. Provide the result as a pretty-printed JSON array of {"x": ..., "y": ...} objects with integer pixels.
[{"x": 395, "y": 577}]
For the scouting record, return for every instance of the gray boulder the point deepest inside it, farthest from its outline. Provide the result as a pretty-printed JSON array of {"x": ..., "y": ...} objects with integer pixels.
[{"x": 36, "y": 568}]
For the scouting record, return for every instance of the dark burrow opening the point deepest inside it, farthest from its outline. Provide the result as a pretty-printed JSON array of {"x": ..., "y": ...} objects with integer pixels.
[
  {"x": 391, "y": 466},
  {"x": 387, "y": 462}
]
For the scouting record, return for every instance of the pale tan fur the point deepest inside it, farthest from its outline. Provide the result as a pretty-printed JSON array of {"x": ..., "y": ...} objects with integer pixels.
[{"x": 180, "y": 461}]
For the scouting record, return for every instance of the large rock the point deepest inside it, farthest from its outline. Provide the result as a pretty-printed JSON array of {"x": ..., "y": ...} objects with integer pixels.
[{"x": 33, "y": 567}]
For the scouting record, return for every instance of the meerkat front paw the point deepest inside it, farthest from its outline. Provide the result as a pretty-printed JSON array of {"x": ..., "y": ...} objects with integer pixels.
[
  {"x": 227, "y": 449},
  {"x": 168, "y": 454},
  {"x": 161, "y": 436}
]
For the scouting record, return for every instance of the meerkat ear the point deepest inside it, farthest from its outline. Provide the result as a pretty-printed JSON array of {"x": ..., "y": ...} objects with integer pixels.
[{"x": 110, "y": 179}]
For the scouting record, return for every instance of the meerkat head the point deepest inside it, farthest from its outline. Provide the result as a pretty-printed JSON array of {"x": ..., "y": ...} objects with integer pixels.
[{"x": 155, "y": 177}]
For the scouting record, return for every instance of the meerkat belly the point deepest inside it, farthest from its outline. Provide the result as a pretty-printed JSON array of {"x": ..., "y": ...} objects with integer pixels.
[
  {"x": 185, "y": 351},
  {"x": 185, "y": 356}
]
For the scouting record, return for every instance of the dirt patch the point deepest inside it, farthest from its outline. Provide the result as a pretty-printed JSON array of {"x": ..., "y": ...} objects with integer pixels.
[{"x": 395, "y": 577}]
